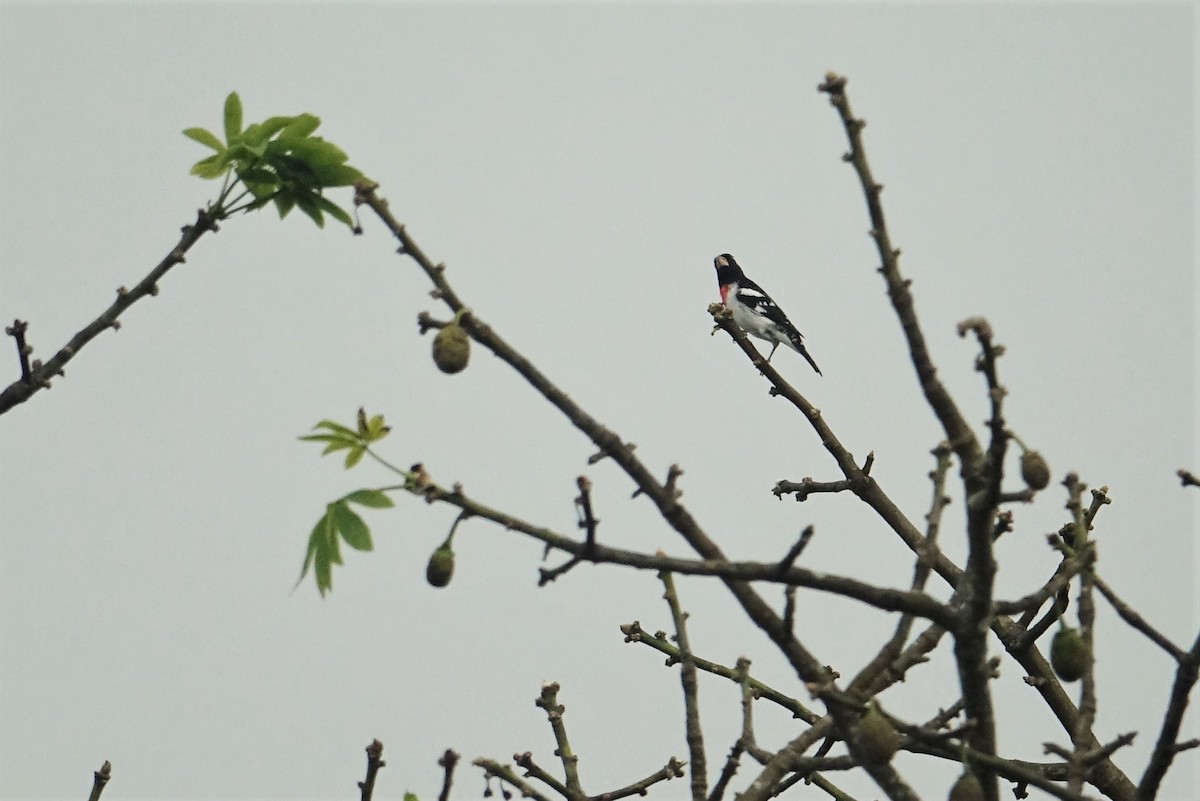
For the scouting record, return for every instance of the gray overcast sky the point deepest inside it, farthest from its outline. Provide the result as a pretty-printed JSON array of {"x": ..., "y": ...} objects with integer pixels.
[{"x": 577, "y": 168}]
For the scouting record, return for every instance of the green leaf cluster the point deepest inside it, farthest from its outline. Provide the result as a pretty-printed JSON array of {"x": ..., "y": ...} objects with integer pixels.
[
  {"x": 276, "y": 161},
  {"x": 338, "y": 437},
  {"x": 339, "y": 524}
]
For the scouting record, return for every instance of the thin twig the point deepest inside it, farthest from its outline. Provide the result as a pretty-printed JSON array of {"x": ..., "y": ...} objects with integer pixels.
[
  {"x": 691, "y": 703},
  {"x": 634, "y": 633},
  {"x": 789, "y": 558},
  {"x": 548, "y": 701},
  {"x": 447, "y": 761},
  {"x": 958, "y": 432},
  {"x": 672, "y": 770},
  {"x": 506, "y": 774},
  {"x": 37, "y": 377},
  {"x": 747, "y": 741},
  {"x": 374, "y": 763},
  {"x": 99, "y": 780},
  {"x": 806, "y": 486},
  {"x": 536, "y": 771},
  {"x": 587, "y": 520},
  {"x": 1167, "y": 746},
  {"x": 885, "y": 658},
  {"x": 1131, "y": 616},
  {"x": 17, "y": 332},
  {"x": 728, "y": 771}
]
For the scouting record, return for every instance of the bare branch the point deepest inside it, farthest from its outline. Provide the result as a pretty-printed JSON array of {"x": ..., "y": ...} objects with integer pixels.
[
  {"x": 583, "y": 504},
  {"x": 884, "y": 660},
  {"x": 672, "y": 770},
  {"x": 548, "y": 700},
  {"x": 536, "y": 771},
  {"x": 958, "y": 432},
  {"x": 1082, "y": 738},
  {"x": 658, "y": 641},
  {"x": 789, "y": 558},
  {"x": 806, "y": 486},
  {"x": 37, "y": 376},
  {"x": 506, "y": 774},
  {"x": 691, "y": 689},
  {"x": 99, "y": 780},
  {"x": 728, "y": 771},
  {"x": 1070, "y": 567},
  {"x": 1168, "y": 746},
  {"x": 665, "y": 499},
  {"x": 859, "y": 479},
  {"x": 746, "y": 740},
  {"x": 17, "y": 332},
  {"x": 447, "y": 761},
  {"x": 1131, "y": 616},
  {"x": 374, "y": 763}
]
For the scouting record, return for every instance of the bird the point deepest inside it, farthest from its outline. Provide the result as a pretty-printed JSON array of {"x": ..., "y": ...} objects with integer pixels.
[{"x": 754, "y": 310}]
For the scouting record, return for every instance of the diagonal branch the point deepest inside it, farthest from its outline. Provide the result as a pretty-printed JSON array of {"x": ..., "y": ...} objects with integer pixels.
[
  {"x": 635, "y": 633},
  {"x": 663, "y": 496},
  {"x": 672, "y": 770},
  {"x": 1168, "y": 745},
  {"x": 1131, "y": 616},
  {"x": 958, "y": 432},
  {"x": 39, "y": 375},
  {"x": 506, "y": 774}
]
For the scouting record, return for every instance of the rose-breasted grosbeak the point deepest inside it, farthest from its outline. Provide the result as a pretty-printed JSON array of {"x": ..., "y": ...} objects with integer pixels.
[{"x": 754, "y": 310}]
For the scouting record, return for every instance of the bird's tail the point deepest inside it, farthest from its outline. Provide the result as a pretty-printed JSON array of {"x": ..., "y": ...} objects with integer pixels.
[{"x": 798, "y": 344}]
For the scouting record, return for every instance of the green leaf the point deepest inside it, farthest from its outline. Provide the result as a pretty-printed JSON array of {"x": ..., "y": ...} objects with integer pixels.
[
  {"x": 329, "y": 425},
  {"x": 308, "y": 204},
  {"x": 329, "y": 175},
  {"x": 376, "y": 499},
  {"x": 317, "y": 154},
  {"x": 301, "y": 126},
  {"x": 324, "y": 573},
  {"x": 204, "y": 137},
  {"x": 258, "y": 133},
  {"x": 258, "y": 203},
  {"x": 333, "y": 442},
  {"x": 352, "y": 527},
  {"x": 212, "y": 167},
  {"x": 293, "y": 171},
  {"x": 314, "y": 541},
  {"x": 411, "y": 797},
  {"x": 258, "y": 175},
  {"x": 334, "y": 210},
  {"x": 324, "y": 438},
  {"x": 233, "y": 117},
  {"x": 321, "y": 554},
  {"x": 376, "y": 428},
  {"x": 263, "y": 184},
  {"x": 244, "y": 155},
  {"x": 284, "y": 201},
  {"x": 354, "y": 456},
  {"x": 331, "y": 540}
]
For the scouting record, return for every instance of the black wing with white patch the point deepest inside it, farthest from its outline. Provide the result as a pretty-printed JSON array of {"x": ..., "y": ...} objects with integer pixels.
[{"x": 752, "y": 295}]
